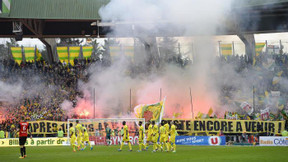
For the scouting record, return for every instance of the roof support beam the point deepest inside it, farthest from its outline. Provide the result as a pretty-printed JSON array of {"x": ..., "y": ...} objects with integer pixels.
[{"x": 36, "y": 27}]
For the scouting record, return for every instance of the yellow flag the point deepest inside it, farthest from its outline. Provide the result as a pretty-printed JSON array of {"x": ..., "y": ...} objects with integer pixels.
[
  {"x": 63, "y": 54},
  {"x": 266, "y": 93},
  {"x": 176, "y": 115},
  {"x": 29, "y": 53},
  {"x": 276, "y": 80},
  {"x": 73, "y": 53},
  {"x": 38, "y": 55},
  {"x": 259, "y": 47},
  {"x": 199, "y": 115},
  {"x": 87, "y": 52},
  {"x": 150, "y": 112},
  {"x": 226, "y": 49},
  {"x": 210, "y": 112},
  {"x": 279, "y": 73},
  {"x": 17, "y": 54}
]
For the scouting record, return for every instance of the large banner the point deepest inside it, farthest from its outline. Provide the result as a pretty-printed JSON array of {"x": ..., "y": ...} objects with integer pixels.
[
  {"x": 46, "y": 127},
  {"x": 34, "y": 142},
  {"x": 93, "y": 128},
  {"x": 210, "y": 126},
  {"x": 115, "y": 140},
  {"x": 273, "y": 141},
  {"x": 227, "y": 126},
  {"x": 200, "y": 140}
]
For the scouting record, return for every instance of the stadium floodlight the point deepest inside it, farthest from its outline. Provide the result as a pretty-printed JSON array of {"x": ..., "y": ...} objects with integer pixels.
[
  {"x": 17, "y": 27},
  {"x": 96, "y": 129},
  {"x": 17, "y": 30}
]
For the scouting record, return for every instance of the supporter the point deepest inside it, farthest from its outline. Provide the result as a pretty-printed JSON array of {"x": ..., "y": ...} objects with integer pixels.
[
  {"x": 2, "y": 134},
  {"x": 60, "y": 133},
  {"x": 58, "y": 82},
  {"x": 284, "y": 133},
  {"x": 243, "y": 137}
]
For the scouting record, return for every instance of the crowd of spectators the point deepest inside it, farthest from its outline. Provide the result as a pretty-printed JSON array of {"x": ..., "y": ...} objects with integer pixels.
[{"x": 44, "y": 88}]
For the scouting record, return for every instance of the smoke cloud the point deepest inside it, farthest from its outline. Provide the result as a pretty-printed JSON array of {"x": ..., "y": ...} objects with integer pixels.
[{"x": 148, "y": 20}]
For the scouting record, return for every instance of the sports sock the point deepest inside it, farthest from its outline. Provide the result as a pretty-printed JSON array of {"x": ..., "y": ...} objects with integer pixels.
[
  {"x": 169, "y": 146},
  {"x": 158, "y": 146},
  {"x": 147, "y": 144},
  {"x": 166, "y": 145},
  {"x": 24, "y": 150},
  {"x": 130, "y": 146},
  {"x": 174, "y": 147},
  {"x": 21, "y": 151},
  {"x": 121, "y": 145},
  {"x": 140, "y": 146}
]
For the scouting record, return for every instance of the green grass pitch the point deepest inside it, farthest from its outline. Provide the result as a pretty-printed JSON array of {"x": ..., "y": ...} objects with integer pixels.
[{"x": 184, "y": 153}]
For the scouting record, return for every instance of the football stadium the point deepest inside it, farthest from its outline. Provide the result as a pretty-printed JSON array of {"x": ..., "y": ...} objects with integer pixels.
[{"x": 143, "y": 80}]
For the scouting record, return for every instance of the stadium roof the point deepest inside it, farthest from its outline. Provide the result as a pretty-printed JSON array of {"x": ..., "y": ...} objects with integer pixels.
[
  {"x": 55, "y": 9},
  {"x": 258, "y": 3},
  {"x": 84, "y": 9}
]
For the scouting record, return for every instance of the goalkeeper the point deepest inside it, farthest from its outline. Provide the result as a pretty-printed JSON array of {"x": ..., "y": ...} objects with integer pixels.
[
  {"x": 125, "y": 137},
  {"x": 108, "y": 135}
]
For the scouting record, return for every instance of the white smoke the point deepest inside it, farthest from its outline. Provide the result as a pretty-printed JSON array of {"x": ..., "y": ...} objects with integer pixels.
[{"x": 146, "y": 20}]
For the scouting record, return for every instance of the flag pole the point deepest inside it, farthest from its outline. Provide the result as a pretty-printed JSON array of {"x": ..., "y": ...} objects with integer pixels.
[
  {"x": 191, "y": 101},
  {"x": 160, "y": 94},
  {"x": 130, "y": 102},
  {"x": 94, "y": 97},
  {"x": 254, "y": 98}
]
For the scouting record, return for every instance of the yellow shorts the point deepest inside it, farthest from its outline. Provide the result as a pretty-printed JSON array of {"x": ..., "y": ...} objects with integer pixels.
[
  {"x": 79, "y": 139},
  {"x": 125, "y": 139},
  {"x": 166, "y": 138},
  {"x": 172, "y": 139},
  {"x": 140, "y": 139},
  {"x": 162, "y": 138},
  {"x": 155, "y": 138},
  {"x": 85, "y": 138},
  {"x": 149, "y": 138},
  {"x": 73, "y": 139}
]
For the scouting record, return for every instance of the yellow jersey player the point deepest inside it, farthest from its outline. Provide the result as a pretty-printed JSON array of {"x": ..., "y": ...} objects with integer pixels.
[
  {"x": 167, "y": 127},
  {"x": 72, "y": 137},
  {"x": 149, "y": 135},
  {"x": 163, "y": 136},
  {"x": 155, "y": 137},
  {"x": 86, "y": 139},
  {"x": 173, "y": 134},
  {"x": 125, "y": 137},
  {"x": 141, "y": 137},
  {"x": 79, "y": 134}
]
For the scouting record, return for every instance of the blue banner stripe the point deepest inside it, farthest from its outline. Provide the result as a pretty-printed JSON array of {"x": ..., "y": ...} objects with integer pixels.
[{"x": 200, "y": 140}]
